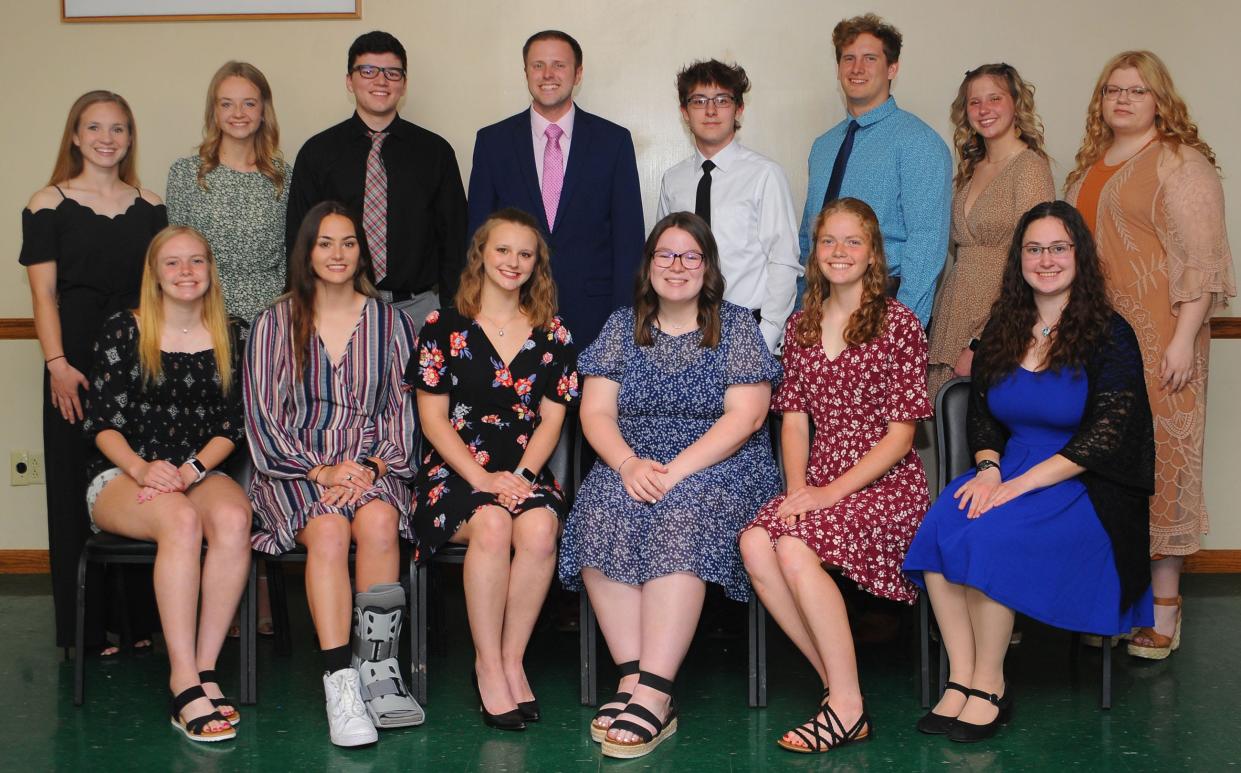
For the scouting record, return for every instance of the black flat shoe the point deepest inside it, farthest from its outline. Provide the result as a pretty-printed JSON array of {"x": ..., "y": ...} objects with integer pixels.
[
  {"x": 509, "y": 720},
  {"x": 968, "y": 732},
  {"x": 938, "y": 724},
  {"x": 530, "y": 710}
]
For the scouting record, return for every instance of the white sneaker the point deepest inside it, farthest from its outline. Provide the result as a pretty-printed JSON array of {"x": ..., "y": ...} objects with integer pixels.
[{"x": 347, "y": 720}]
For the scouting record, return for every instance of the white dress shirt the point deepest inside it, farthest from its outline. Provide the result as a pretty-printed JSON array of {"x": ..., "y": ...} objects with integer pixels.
[
  {"x": 538, "y": 125},
  {"x": 755, "y": 227}
]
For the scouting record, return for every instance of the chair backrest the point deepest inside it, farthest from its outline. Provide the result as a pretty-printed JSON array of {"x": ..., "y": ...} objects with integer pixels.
[{"x": 951, "y": 440}]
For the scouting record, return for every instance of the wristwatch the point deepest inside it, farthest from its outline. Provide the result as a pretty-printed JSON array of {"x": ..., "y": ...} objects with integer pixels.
[
  {"x": 370, "y": 464},
  {"x": 974, "y": 344},
  {"x": 200, "y": 470},
  {"x": 985, "y": 464},
  {"x": 526, "y": 475}
]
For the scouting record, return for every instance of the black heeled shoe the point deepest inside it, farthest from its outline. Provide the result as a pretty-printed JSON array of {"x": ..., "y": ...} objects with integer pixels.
[
  {"x": 509, "y": 720},
  {"x": 968, "y": 732},
  {"x": 938, "y": 724},
  {"x": 530, "y": 710}
]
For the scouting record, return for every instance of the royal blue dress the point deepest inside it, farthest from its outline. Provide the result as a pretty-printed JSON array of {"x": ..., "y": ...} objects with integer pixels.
[
  {"x": 1044, "y": 554},
  {"x": 671, "y": 393}
]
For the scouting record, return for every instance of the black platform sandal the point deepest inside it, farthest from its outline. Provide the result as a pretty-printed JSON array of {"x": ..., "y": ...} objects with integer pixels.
[
  {"x": 815, "y": 740},
  {"x": 597, "y": 731},
  {"x": 196, "y": 729},
  {"x": 647, "y": 740},
  {"x": 233, "y": 716},
  {"x": 968, "y": 732},
  {"x": 938, "y": 724}
]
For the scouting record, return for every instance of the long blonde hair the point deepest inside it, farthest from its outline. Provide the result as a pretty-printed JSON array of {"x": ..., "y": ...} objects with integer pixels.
[
  {"x": 1172, "y": 120},
  {"x": 969, "y": 144},
  {"x": 537, "y": 299},
  {"x": 267, "y": 156},
  {"x": 69, "y": 161},
  {"x": 151, "y": 312}
]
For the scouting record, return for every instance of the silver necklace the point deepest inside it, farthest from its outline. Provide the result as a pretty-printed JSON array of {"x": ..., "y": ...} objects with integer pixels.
[
  {"x": 498, "y": 326},
  {"x": 1046, "y": 330}
]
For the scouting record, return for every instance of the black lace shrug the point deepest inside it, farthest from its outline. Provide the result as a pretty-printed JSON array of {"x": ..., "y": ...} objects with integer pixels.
[{"x": 1115, "y": 443}]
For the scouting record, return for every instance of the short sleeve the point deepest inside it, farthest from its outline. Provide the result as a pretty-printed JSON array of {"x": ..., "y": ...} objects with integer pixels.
[
  {"x": 428, "y": 367},
  {"x": 232, "y": 420},
  {"x": 1195, "y": 237},
  {"x": 905, "y": 367},
  {"x": 606, "y": 356},
  {"x": 746, "y": 358},
  {"x": 560, "y": 362},
  {"x": 790, "y": 397},
  {"x": 182, "y": 177},
  {"x": 114, "y": 375},
  {"x": 39, "y": 243}
]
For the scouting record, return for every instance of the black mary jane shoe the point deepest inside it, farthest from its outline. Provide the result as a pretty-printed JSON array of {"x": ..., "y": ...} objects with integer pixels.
[
  {"x": 530, "y": 710},
  {"x": 509, "y": 720},
  {"x": 968, "y": 732},
  {"x": 938, "y": 724}
]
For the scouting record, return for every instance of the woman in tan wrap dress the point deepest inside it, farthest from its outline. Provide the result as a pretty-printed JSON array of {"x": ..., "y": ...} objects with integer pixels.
[
  {"x": 1149, "y": 190},
  {"x": 1002, "y": 171}
]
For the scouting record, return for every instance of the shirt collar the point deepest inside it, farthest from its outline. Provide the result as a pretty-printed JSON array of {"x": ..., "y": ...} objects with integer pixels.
[
  {"x": 722, "y": 160},
  {"x": 396, "y": 127},
  {"x": 876, "y": 114},
  {"x": 539, "y": 124}
]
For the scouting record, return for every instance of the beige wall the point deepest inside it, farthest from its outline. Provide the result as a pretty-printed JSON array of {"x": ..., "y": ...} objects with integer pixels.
[{"x": 466, "y": 70}]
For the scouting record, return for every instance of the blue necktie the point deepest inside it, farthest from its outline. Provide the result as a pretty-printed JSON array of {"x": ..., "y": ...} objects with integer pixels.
[{"x": 838, "y": 168}]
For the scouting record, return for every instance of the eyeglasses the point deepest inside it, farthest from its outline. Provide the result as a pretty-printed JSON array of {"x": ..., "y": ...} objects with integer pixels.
[
  {"x": 1135, "y": 93},
  {"x": 371, "y": 71},
  {"x": 1055, "y": 249},
  {"x": 699, "y": 102},
  {"x": 690, "y": 260}
]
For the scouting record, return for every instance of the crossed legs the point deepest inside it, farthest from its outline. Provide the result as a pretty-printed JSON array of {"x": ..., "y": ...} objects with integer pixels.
[
  {"x": 216, "y": 508},
  {"x": 975, "y": 630},
  {"x": 508, "y": 569}
]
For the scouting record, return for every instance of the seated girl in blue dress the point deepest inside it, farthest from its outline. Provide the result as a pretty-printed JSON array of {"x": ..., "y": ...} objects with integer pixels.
[{"x": 1052, "y": 522}]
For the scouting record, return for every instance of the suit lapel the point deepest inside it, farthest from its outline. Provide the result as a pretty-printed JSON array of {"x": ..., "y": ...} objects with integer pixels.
[
  {"x": 579, "y": 154},
  {"x": 523, "y": 148}
]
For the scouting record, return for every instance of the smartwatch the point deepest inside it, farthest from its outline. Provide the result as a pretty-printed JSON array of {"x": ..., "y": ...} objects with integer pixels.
[
  {"x": 370, "y": 464},
  {"x": 200, "y": 470},
  {"x": 985, "y": 464},
  {"x": 526, "y": 475}
]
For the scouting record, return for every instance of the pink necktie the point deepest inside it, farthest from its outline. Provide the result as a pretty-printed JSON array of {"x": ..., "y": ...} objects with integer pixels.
[
  {"x": 553, "y": 173},
  {"x": 375, "y": 207}
]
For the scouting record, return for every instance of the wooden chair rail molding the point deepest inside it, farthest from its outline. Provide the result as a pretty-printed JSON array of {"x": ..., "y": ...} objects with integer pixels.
[{"x": 22, "y": 328}]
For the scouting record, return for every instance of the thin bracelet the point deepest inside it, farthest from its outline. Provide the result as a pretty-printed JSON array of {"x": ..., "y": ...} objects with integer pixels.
[
  {"x": 54, "y": 359},
  {"x": 621, "y": 466},
  {"x": 315, "y": 478}
]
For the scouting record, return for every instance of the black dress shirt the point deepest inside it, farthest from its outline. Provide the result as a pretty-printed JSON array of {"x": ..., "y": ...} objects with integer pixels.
[{"x": 426, "y": 200}]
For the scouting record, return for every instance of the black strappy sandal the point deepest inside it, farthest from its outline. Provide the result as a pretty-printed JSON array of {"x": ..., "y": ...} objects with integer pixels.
[
  {"x": 648, "y": 740},
  {"x": 597, "y": 731},
  {"x": 938, "y": 724},
  {"x": 233, "y": 716},
  {"x": 814, "y": 740},
  {"x": 196, "y": 729}
]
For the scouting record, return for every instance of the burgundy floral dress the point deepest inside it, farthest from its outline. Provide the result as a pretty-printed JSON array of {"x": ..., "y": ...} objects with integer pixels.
[
  {"x": 495, "y": 410},
  {"x": 850, "y": 401}
]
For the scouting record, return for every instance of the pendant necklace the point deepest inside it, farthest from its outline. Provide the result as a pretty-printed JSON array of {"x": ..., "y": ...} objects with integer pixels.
[{"x": 499, "y": 327}]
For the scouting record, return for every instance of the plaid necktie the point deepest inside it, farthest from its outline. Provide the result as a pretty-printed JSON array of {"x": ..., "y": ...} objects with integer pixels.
[{"x": 375, "y": 207}]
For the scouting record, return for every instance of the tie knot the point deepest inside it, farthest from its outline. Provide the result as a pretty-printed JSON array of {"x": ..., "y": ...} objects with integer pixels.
[
  {"x": 708, "y": 165},
  {"x": 853, "y": 127},
  {"x": 553, "y": 132},
  {"x": 377, "y": 137}
]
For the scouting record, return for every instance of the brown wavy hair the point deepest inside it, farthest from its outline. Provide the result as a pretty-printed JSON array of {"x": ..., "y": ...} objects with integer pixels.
[
  {"x": 1083, "y": 323},
  {"x": 303, "y": 280},
  {"x": 537, "y": 300},
  {"x": 646, "y": 301},
  {"x": 1172, "y": 120},
  {"x": 69, "y": 161},
  {"x": 866, "y": 321},
  {"x": 151, "y": 311},
  {"x": 969, "y": 144},
  {"x": 267, "y": 157},
  {"x": 847, "y": 31}
]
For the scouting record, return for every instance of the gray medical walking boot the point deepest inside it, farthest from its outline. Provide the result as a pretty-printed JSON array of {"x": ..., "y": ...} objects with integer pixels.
[{"x": 377, "y": 616}]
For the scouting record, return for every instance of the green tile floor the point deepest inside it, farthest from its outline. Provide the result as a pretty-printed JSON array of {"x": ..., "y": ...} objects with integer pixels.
[{"x": 1181, "y": 714}]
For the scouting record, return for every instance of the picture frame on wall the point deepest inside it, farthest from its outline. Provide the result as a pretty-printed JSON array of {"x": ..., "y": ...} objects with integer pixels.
[{"x": 74, "y": 11}]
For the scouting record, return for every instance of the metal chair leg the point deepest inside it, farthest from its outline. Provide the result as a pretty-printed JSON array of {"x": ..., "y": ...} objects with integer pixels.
[
  {"x": 79, "y": 636},
  {"x": 924, "y": 649},
  {"x": 1105, "y": 687},
  {"x": 418, "y": 637},
  {"x": 757, "y": 677},
  {"x": 588, "y": 651},
  {"x": 249, "y": 636},
  {"x": 279, "y": 598}
]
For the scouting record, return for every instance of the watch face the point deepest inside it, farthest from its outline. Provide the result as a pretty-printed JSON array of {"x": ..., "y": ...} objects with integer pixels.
[{"x": 529, "y": 476}]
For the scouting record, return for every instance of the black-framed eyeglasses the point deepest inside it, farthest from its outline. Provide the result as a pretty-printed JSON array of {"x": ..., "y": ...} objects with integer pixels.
[
  {"x": 1135, "y": 93},
  {"x": 1055, "y": 249},
  {"x": 690, "y": 259},
  {"x": 699, "y": 102},
  {"x": 371, "y": 71}
]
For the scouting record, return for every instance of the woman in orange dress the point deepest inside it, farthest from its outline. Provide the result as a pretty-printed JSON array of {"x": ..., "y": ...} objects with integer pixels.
[{"x": 1148, "y": 188}]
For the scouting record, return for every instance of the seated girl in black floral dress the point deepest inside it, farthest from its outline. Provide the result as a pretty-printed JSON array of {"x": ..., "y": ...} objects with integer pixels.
[{"x": 493, "y": 379}]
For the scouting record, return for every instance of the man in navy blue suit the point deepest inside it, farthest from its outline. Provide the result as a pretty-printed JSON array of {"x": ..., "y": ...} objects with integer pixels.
[{"x": 577, "y": 174}]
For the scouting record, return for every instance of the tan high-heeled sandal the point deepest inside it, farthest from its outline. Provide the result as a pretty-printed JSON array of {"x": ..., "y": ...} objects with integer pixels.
[{"x": 1152, "y": 645}]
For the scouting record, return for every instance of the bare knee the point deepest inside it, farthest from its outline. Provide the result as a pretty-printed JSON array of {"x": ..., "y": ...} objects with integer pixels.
[
  {"x": 491, "y": 530},
  {"x": 796, "y": 559},
  {"x": 376, "y": 529},
  {"x": 230, "y": 524},
  {"x": 180, "y": 528},
  {"x": 327, "y": 540},
  {"x": 535, "y": 533},
  {"x": 756, "y": 552}
]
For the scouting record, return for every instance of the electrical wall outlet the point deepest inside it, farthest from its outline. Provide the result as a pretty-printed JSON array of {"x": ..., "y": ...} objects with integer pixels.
[{"x": 25, "y": 468}]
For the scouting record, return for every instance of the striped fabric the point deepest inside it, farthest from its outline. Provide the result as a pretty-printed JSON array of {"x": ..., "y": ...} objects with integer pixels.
[{"x": 355, "y": 409}]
